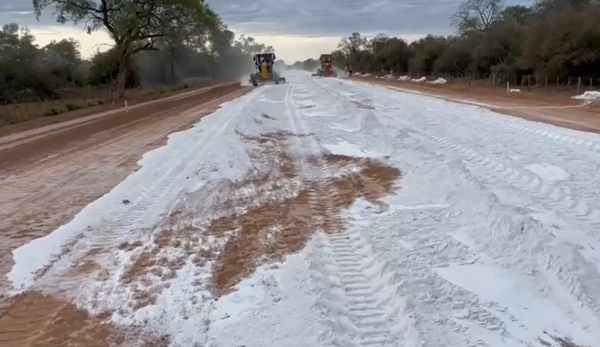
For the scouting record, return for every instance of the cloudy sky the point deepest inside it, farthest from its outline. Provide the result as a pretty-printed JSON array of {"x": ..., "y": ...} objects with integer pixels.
[{"x": 298, "y": 29}]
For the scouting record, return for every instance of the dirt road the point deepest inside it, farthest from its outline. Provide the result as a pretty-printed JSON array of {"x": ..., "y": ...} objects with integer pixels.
[
  {"x": 322, "y": 212},
  {"x": 51, "y": 174}
]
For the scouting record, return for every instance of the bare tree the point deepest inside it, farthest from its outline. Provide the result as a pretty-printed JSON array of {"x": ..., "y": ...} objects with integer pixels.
[
  {"x": 478, "y": 15},
  {"x": 353, "y": 43}
]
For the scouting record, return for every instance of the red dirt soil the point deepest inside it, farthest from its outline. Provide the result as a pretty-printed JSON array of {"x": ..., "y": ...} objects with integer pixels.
[
  {"x": 534, "y": 107},
  {"x": 46, "y": 181},
  {"x": 116, "y": 106}
]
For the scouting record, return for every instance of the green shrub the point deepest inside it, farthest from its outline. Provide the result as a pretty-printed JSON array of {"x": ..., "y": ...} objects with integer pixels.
[
  {"x": 72, "y": 107},
  {"x": 53, "y": 112}
]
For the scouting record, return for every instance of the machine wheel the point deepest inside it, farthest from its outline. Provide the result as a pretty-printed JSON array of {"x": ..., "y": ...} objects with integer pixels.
[{"x": 253, "y": 80}]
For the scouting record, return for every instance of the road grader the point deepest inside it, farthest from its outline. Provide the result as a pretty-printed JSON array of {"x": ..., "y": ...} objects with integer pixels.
[
  {"x": 265, "y": 74},
  {"x": 326, "y": 69}
]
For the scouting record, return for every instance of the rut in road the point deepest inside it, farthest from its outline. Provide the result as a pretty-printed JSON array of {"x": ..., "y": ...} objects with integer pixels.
[{"x": 364, "y": 291}]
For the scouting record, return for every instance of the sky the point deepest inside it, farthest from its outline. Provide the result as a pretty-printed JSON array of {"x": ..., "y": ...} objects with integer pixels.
[{"x": 297, "y": 29}]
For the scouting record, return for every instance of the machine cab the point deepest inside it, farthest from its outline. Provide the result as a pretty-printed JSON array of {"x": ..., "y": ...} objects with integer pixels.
[
  {"x": 326, "y": 58},
  {"x": 264, "y": 58}
]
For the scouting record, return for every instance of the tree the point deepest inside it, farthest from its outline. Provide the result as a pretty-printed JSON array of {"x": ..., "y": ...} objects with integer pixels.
[
  {"x": 457, "y": 58},
  {"x": 396, "y": 54},
  {"x": 21, "y": 72},
  {"x": 478, "y": 15},
  {"x": 551, "y": 37},
  {"x": 134, "y": 25},
  {"x": 426, "y": 51},
  {"x": 563, "y": 41},
  {"x": 186, "y": 57},
  {"x": 377, "y": 46},
  {"x": 520, "y": 15},
  {"x": 105, "y": 66},
  {"x": 63, "y": 59},
  {"x": 352, "y": 44}
]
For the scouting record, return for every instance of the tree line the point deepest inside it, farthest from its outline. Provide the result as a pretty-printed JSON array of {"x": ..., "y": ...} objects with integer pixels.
[
  {"x": 549, "y": 38},
  {"x": 157, "y": 42}
]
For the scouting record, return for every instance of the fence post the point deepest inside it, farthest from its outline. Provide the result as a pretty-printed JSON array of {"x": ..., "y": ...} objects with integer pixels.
[
  {"x": 578, "y": 85},
  {"x": 507, "y": 87},
  {"x": 494, "y": 80}
]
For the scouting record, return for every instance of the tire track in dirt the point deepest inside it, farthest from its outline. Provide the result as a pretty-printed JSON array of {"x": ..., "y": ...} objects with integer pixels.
[
  {"x": 505, "y": 229},
  {"x": 556, "y": 197},
  {"x": 67, "y": 150},
  {"x": 61, "y": 172},
  {"x": 226, "y": 227},
  {"x": 229, "y": 228},
  {"x": 581, "y": 163},
  {"x": 521, "y": 127},
  {"x": 575, "y": 211},
  {"x": 28, "y": 215},
  {"x": 161, "y": 190},
  {"x": 582, "y": 213},
  {"x": 55, "y": 318},
  {"x": 371, "y": 311}
]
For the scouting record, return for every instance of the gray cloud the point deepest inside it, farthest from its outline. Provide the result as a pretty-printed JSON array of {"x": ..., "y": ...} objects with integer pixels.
[
  {"x": 304, "y": 17},
  {"x": 21, "y": 12},
  {"x": 339, "y": 17}
]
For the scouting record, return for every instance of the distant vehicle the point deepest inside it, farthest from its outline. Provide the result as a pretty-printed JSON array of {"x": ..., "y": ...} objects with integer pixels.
[
  {"x": 265, "y": 73},
  {"x": 326, "y": 69}
]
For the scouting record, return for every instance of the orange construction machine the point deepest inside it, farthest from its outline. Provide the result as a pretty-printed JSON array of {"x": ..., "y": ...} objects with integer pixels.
[{"x": 326, "y": 69}]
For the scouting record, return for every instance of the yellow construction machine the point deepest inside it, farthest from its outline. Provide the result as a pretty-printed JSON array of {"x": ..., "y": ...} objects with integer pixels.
[
  {"x": 265, "y": 73},
  {"x": 326, "y": 69}
]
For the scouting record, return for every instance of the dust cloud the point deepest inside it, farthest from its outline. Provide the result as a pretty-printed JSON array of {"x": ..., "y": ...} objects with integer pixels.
[{"x": 245, "y": 81}]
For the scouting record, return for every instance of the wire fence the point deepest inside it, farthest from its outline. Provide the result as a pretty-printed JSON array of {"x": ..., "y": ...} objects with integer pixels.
[
  {"x": 29, "y": 106},
  {"x": 523, "y": 83}
]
